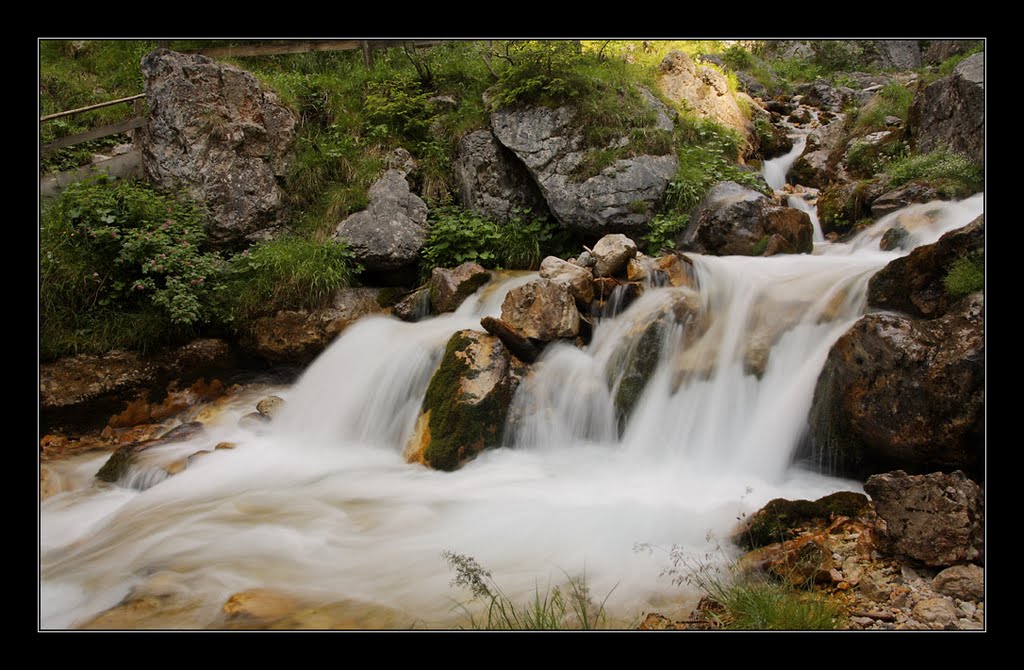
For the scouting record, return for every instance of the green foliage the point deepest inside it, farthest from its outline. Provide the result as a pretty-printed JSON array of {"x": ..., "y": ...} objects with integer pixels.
[
  {"x": 543, "y": 72},
  {"x": 965, "y": 276},
  {"x": 893, "y": 100},
  {"x": 662, "y": 231},
  {"x": 835, "y": 56},
  {"x": 760, "y": 246},
  {"x": 708, "y": 158},
  {"x": 79, "y": 73},
  {"x": 865, "y": 159},
  {"x": 550, "y": 609},
  {"x": 751, "y": 601},
  {"x": 738, "y": 58},
  {"x": 947, "y": 66},
  {"x": 458, "y": 235},
  {"x": 122, "y": 248},
  {"x": 286, "y": 273},
  {"x": 796, "y": 70},
  {"x": 952, "y": 174}
]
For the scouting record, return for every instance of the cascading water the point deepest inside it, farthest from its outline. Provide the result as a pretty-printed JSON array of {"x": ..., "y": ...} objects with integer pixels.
[
  {"x": 322, "y": 505},
  {"x": 776, "y": 169}
]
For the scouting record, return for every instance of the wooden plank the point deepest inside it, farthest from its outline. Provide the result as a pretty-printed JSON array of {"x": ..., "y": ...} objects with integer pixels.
[
  {"x": 306, "y": 46},
  {"x": 92, "y": 107},
  {"x": 94, "y": 134},
  {"x": 367, "y": 53}
]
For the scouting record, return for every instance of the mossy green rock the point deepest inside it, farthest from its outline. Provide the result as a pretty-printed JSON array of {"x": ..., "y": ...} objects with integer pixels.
[
  {"x": 466, "y": 402},
  {"x": 119, "y": 462},
  {"x": 776, "y": 521}
]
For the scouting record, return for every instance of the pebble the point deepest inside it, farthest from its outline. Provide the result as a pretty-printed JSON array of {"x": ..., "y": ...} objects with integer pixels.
[
  {"x": 968, "y": 624},
  {"x": 968, "y": 608},
  {"x": 863, "y": 620}
]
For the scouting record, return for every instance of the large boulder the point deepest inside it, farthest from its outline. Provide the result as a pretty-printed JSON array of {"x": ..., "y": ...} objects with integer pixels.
[
  {"x": 733, "y": 220},
  {"x": 896, "y": 199},
  {"x": 902, "y": 393},
  {"x": 914, "y": 283},
  {"x": 491, "y": 180},
  {"x": 819, "y": 93},
  {"x": 387, "y": 236},
  {"x": 449, "y": 287},
  {"x": 213, "y": 130},
  {"x": 702, "y": 89},
  {"x": 542, "y": 310},
  {"x": 817, "y": 165},
  {"x": 937, "y": 519},
  {"x": 964, "y": 582},
  {"x": 466, "y": 403},
  {"x": 298, "y": 336},
  {"x": 897, "y": 54},
  {"x": 781, "y": 520},
  {"x": 621, "y": 198},
  {"x": 950, "y": 112}
]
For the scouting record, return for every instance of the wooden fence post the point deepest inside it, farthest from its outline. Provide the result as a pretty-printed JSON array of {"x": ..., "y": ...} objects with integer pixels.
[
  {"x": 367, "y": 53},
  {"x": 137, "y": 134}
]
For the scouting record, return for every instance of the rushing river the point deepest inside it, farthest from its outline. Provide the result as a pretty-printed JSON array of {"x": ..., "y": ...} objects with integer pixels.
[{"x": 322, "y": 505}]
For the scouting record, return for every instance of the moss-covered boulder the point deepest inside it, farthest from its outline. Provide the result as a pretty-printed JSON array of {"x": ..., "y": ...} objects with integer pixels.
[
  {"x": 633, "y": 363},
  {"x": 466, "y": 402},
  {"x": 779, "y": 520},
  {"x": 841, "y": 206}
]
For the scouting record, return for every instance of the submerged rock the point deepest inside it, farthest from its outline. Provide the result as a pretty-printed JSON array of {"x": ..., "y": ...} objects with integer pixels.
[
  {"x": 937, "y": 519},
  {"x": 733, "y": 219},
  {"x": 387, "y": 236},
  {"x": 449, "y": 287},
  {"x": 466, "y": 403},
  {"x": 914, "y": 283},
  {"x": 122, "y": 459},
  {"x": 899, "y": 393},
  {"x": 213, "y": 130}
]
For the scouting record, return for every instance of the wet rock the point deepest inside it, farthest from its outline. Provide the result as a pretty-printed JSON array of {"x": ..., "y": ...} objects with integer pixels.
[
  {"x": 936, "y": 519},
  {"x": 414, "y": 306},
  {"x": 254, "y": 421},
  {"x": 611, "y": 253},
  {"x": 298, "y": 336},
  {"x": 213, "y": 130},
  {"x": 466, "y": 403},
  {"x": 817, "y": 165},
  {"x": 542, "y": 310},
  {"x": 935, "y": 611},
  {"x": 950, "y": 112},
  {"x": 521, "y": 347},
  {"x": 449, "y": 287},
  {"x": 900, "y": 393},
  {"x": 893, "y": 238},
  {"x": 387, "y": 236},
  {"x": 677, "y": 269},
  {"x": 963, "y": 582},
  {"x": 122, "y": 459},
  {"x": 841, "y": 206},
  {"x": 260, "y": 604},
  {"x": 491, "y": 180},
  {"x": 914, "y": 192},
  {"x": 780, "y": 519},
  {"x": 621, "y": 198},
  {"x": 914, "y": 283},
  {"x": 633, "y": 363},
  {"x": 579, "y": 280},
  {"x": 819, "y": 93},
  {"x": 270, "y": 406},
  {"x": 732, "y": 220}
]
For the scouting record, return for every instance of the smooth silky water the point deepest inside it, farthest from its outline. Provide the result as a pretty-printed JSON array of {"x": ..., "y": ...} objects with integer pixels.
[{"x": 322, "y": 505}]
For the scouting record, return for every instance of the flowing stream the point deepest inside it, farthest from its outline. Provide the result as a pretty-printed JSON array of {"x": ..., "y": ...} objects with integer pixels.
[{"x": 321, "y": 504}]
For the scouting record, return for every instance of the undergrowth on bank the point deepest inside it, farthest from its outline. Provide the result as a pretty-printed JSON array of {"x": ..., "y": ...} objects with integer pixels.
[
  {"x": 952, "y": 174},
  {"x": 965, "y": 276},
  {"x": 567, "y": 607}
]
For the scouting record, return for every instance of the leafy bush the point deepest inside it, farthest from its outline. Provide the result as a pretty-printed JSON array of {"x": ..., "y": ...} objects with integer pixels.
[
  {"x": 965, "y": 276},
  {"x": 287, "y": 273},
  {"x": 947, "y": 66},
  {"x": 662, "y": 231},
  {"x": 953, "y": 174},
  {"x": 551, "y": 609},
  {"x": 125, "y": 248},
  {"x": 865, "y": 159},
  {"x": 542, "y": 71},
  {"x": 458, "y": 235},
  {"x": 738, "y": 58}
]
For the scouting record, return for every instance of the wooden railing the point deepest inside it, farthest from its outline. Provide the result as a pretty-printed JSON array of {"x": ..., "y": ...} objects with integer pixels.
[{"x": 134, "y": 123}]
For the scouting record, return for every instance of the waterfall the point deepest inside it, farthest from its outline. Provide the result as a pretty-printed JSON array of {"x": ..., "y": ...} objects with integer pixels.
[{"x": 323, "y": 505}]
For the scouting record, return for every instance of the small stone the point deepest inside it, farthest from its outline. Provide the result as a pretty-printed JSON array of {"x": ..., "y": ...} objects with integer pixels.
[
  {"x": 270, "y": 406},
  {"x": 965, "y": 582},
  {"x": 967, "y": 624},
  {"x": 253, "y": 421},
  {"x": 936, "y": 611},
  {"x": 863, "y": 621},
  {"x": 225, "y": 445},
  {"x": 612, "y": 253}
]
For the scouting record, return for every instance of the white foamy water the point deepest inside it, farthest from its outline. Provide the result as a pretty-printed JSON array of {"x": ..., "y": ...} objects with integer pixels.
[
  {"x": 776, "y": 169},
  {"x": 323, "y": 505}
]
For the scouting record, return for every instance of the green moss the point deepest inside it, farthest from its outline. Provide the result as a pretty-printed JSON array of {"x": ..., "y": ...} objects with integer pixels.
[
  {"x": 459, "y": 429},
  {"x": 965, "y": 276},
  {"x": 760, "y": 246},
  {"x": 840, "y": 206},
  {"x": 777, "y": 521}
]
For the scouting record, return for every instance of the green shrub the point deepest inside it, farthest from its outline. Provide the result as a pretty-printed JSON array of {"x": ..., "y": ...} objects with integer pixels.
[
  {"x": 551, "y": 609},
  {"x": 122, "y": 247},
  {"x": 953, "y": 174},
  {"x": 662, "y": 232},
  {"x": 965, "y": 276},
  {"x": 865, "y": 159},
  {"x": 287, "y": 273},
  {"x": 738, "y": 58},
  {"x": 543, "y": 72},
  {"x": 947, "y": 66}
]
